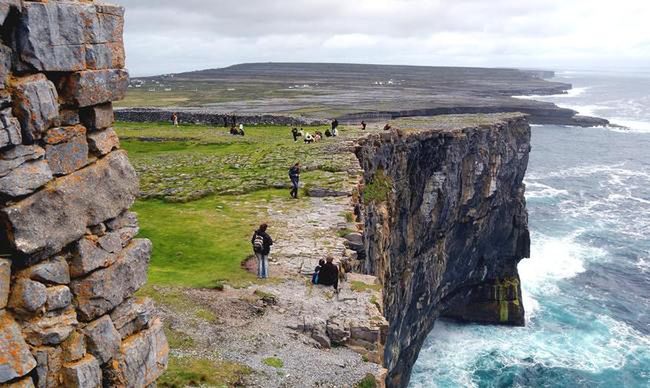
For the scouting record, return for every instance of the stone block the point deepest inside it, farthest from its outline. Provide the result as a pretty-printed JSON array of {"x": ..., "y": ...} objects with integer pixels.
[
  {"x": 5, "y": 8},
  {"x": 94, "y": 87},
  {"x": 69, "y": 117},
  {"x": 15, "y": 358},
  {"x": 27, "y": 295},
  {"x": 49, "y": 220},
  {"x": 10, "y": 132},
  {"x": 90, "y": 253},
  {"x": 102, "y": 339},
  {"x": 105, "y": 289},
  {"x": 66, "y": 149},
  {"x": 142, "y": 359},
  {"x": 58, "y": 297},
  {"x": 5, "y": 64},
  {"x": 23, "y": 170},
  {"x": 49, "y": 362},
  {"x": 84, "y": 373},
  {"x": 98, "y": 116},
  {"x": 69, "y": 36},
  {"x": 50, "y": 329},
  {"x": 35, "y": 104},
  {"x": 51, "y": 271},
  {"x": 103, "y": 142},
  {"x": 74, "y": 347},
  {"x": 126, "y": 225},
  {"x": 133, "y": 315},
  {"x": 5, "y": 282},
  {"x": 27, "y": 382}
]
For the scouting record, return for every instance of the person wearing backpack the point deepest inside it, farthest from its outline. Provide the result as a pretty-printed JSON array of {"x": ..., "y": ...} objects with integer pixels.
[
  {"x": 294, "y": 175},
  {"x": 262, "y": 247}
]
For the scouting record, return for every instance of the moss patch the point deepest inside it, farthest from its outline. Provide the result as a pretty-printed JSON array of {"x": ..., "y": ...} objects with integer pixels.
[
  {"x": 378, "y": 189},
  {"x": 193, "y": 372},
  {"x": 368, "y": 381},
  {"x": 274, "y": 362},
  {"x": 359, "y": 286}
]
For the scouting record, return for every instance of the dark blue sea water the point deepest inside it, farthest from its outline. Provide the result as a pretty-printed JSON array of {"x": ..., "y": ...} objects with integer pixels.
[{"x": 587, "y": 285}]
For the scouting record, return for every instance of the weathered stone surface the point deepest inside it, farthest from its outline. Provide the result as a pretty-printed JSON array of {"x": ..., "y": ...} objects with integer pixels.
[
  {"x": 103, "y": 142},
  {"x": 52, "y": 218},
  {"x": 5, "y": 8},
  {"x": 58, "y": 297},
  {"x": 15, "y": 357},
  {"x": 10, "y": 132},
  {"x": 23, "y": 170},
  {"x": 27, "y": 382},
  {"x": 69, "y": 117},
  {"x": 51, "y": 328},
  {"x": 49, "y": 362},
  {"x": 85, "y": 373},
  {"x": 102, "y": 339},
  {"x": 94, "y": 87},
  {"x": 5, "y": 281},
  {"x": 337, "y": 331},
  {"x": 69, "y": 36},
  {"x": 126, "y": 225},
  {"x": 27, "y": 295},
  {"x": 52, "y": 271},
  {"x": 74, "y": 347},
  {"x": 142, "y": 359},
  {"x": 5, "y": 62},
  {"x": 66, "y": 149},
  {"x": 92, "y": 252},
  {"x": 36, "y": 106},
  {"x": 98, "y": 116},
  {"x": 319, "y": 335},
  {"x": 133, "y": 315},
  {"x": 104, "y": 289}
]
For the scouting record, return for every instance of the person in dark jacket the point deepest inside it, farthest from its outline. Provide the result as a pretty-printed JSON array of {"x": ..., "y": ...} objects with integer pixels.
[
  {"x": 294, "y": 175},
  {"x": 329, "y": 274},
  {"x": 262, "y": 252},
  {"x": 363, "y": 125},
  {"x": 296, "y": 134},
  {"x": 314, "y": 277}
]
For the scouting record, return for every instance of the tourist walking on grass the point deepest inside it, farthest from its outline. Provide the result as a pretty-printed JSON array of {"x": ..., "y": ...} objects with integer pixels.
[
  {"x": 175, "y": 119},
  {"x": 296, "y": 134},
  {"x": 262, "y": 247},
  {"x": 335, "y": 125},
  {"x": 294, "y": 175}
]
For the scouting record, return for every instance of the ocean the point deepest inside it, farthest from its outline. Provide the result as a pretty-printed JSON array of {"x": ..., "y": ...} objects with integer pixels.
[{"x": 587, "y": 284}]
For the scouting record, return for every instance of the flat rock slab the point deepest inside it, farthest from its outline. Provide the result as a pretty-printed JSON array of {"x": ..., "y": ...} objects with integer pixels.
[
  {"x": 35, "y": 103},
  {"x": 69, "y": 36},
  {"x": 58, "y": 215},
  {"x": 66, "y": 149},
  {"x": 15, "y": 357},
  {"x": 105, "y": 289},
  {"x": 93, "y": 87}
]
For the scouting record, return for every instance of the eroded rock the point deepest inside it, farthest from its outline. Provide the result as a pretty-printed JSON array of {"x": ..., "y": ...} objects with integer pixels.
[
  {"x": 27, "y": 295},
  {"x": 10, "y": 132},
  {"x": 104, "y": 289},
  {"x": 35, "y": 103},
  {"x": 5, "y": 281},
  {"x": 74, "y": 347},
  {"x": 133, "y": 315},
  {"x": 94, "y": 87},
  {"x": 66, "y": 149},
  {"x": 98, "y": 116},
  {"x": 15, "y": 358},
  {"x": 103, "y": 142},
  {"x": 23, "y": 170},
  {"x": 52, "y": 271},
  {"x": 49, "y": 362},
  {"x": 83, "y": 373},
  {"x": 50, "y": 329},
  {"x": 58, "y": 297},
  {"x": 103, "y": 341},
  {"x": 50, "y": 219}
]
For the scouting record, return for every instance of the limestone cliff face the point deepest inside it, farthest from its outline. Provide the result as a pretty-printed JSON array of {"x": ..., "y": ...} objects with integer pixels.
[{"x": 445, "y": 226}]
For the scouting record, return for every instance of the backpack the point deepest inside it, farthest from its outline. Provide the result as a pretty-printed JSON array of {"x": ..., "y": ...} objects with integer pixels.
[{"x": 258, "y": 243}]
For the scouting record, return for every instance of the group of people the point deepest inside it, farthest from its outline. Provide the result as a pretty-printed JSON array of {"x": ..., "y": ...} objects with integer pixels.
[
  {"x": 237, "y": 132},
  {"x": 317, "y": 136},
  {"x": 326, "y": 272}
]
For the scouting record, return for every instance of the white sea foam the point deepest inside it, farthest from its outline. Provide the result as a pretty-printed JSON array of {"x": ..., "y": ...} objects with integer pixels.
[
  {"x": 631, "y": 126},
  {"x": 540, "y": 190}
]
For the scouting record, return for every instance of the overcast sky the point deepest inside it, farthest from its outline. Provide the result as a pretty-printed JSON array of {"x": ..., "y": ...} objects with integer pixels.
[{"x": 165, "y": 36}]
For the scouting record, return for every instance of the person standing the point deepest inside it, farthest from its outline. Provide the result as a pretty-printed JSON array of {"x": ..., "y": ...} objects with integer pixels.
[
  {"x": 295, "y": 134},
  {"x": 175, "y": 119},
  {"x": 262, "y": 247},
  {"x": 294, "y": 175},
  {"x": 335, "y": 125},
  {"x": 363, "y": 125}
]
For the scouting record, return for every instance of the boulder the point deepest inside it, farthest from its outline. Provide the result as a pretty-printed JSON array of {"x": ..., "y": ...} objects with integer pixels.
[
  {"x": 104, "y": 289},
  {"x": 69, "y": 36},
  {"x": 15, "y": 358},
  {"x": 321, "y": 192},
  {"x": 133, "y": 316},
  {"x": 98, "y": 116},
  {"x": 51, "y": 219},
  {"x": 27, "y": 382},
  {"x": 66, "y": 149},
  {"x": 94, "y": 87},
  {"x": 84, "y": 373},
  {"x": 74, "y": 347},
  {"x": 50, "y": 329},
  {"x": 10, "y": 132},
  {"x": 52, "y": 271},
  {"x": 103, "y": 142},
  {"x": 102, "y": 339},
  {"x": 27, "y": 295},
  {"x": 23, "y": 170},
  {"x": 35, "y": 103},
  {"x": 58, "y": 297},
  {"x": 5, "y": 281},
  {"x": 49, "y": 362},
  {"x": 319, "y": 335},
  {"x": 337, "y": 332},
  {"x": 142, "y": 358}
]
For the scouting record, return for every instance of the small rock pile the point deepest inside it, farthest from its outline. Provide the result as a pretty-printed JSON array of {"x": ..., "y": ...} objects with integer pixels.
[{"x": 69, "y": 263}]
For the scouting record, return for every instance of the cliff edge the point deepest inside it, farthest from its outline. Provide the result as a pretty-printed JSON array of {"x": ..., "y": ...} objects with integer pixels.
[{"x": 445, "y": 225}]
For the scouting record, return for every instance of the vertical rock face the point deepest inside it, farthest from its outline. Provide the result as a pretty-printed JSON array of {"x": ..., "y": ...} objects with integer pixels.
[
  {"x": 445, "y": 226},
  {"x": 69, "y": 263}
]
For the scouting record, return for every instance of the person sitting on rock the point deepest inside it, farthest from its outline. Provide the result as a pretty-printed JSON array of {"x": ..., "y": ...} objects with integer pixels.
[
  {"x": 241, "y": 130},
  {"x": 308, "y": 138},
  {"x": 314, "y": 277},
  {"x": 318, "y": 136},
  {"x": 233, "y": 131},
  {"x": 329, "y": 274},
  {"x": 328, "y": 133}
]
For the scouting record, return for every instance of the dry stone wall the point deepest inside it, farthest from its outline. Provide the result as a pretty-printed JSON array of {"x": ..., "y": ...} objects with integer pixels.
[{"x": 69, "y": 262}]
